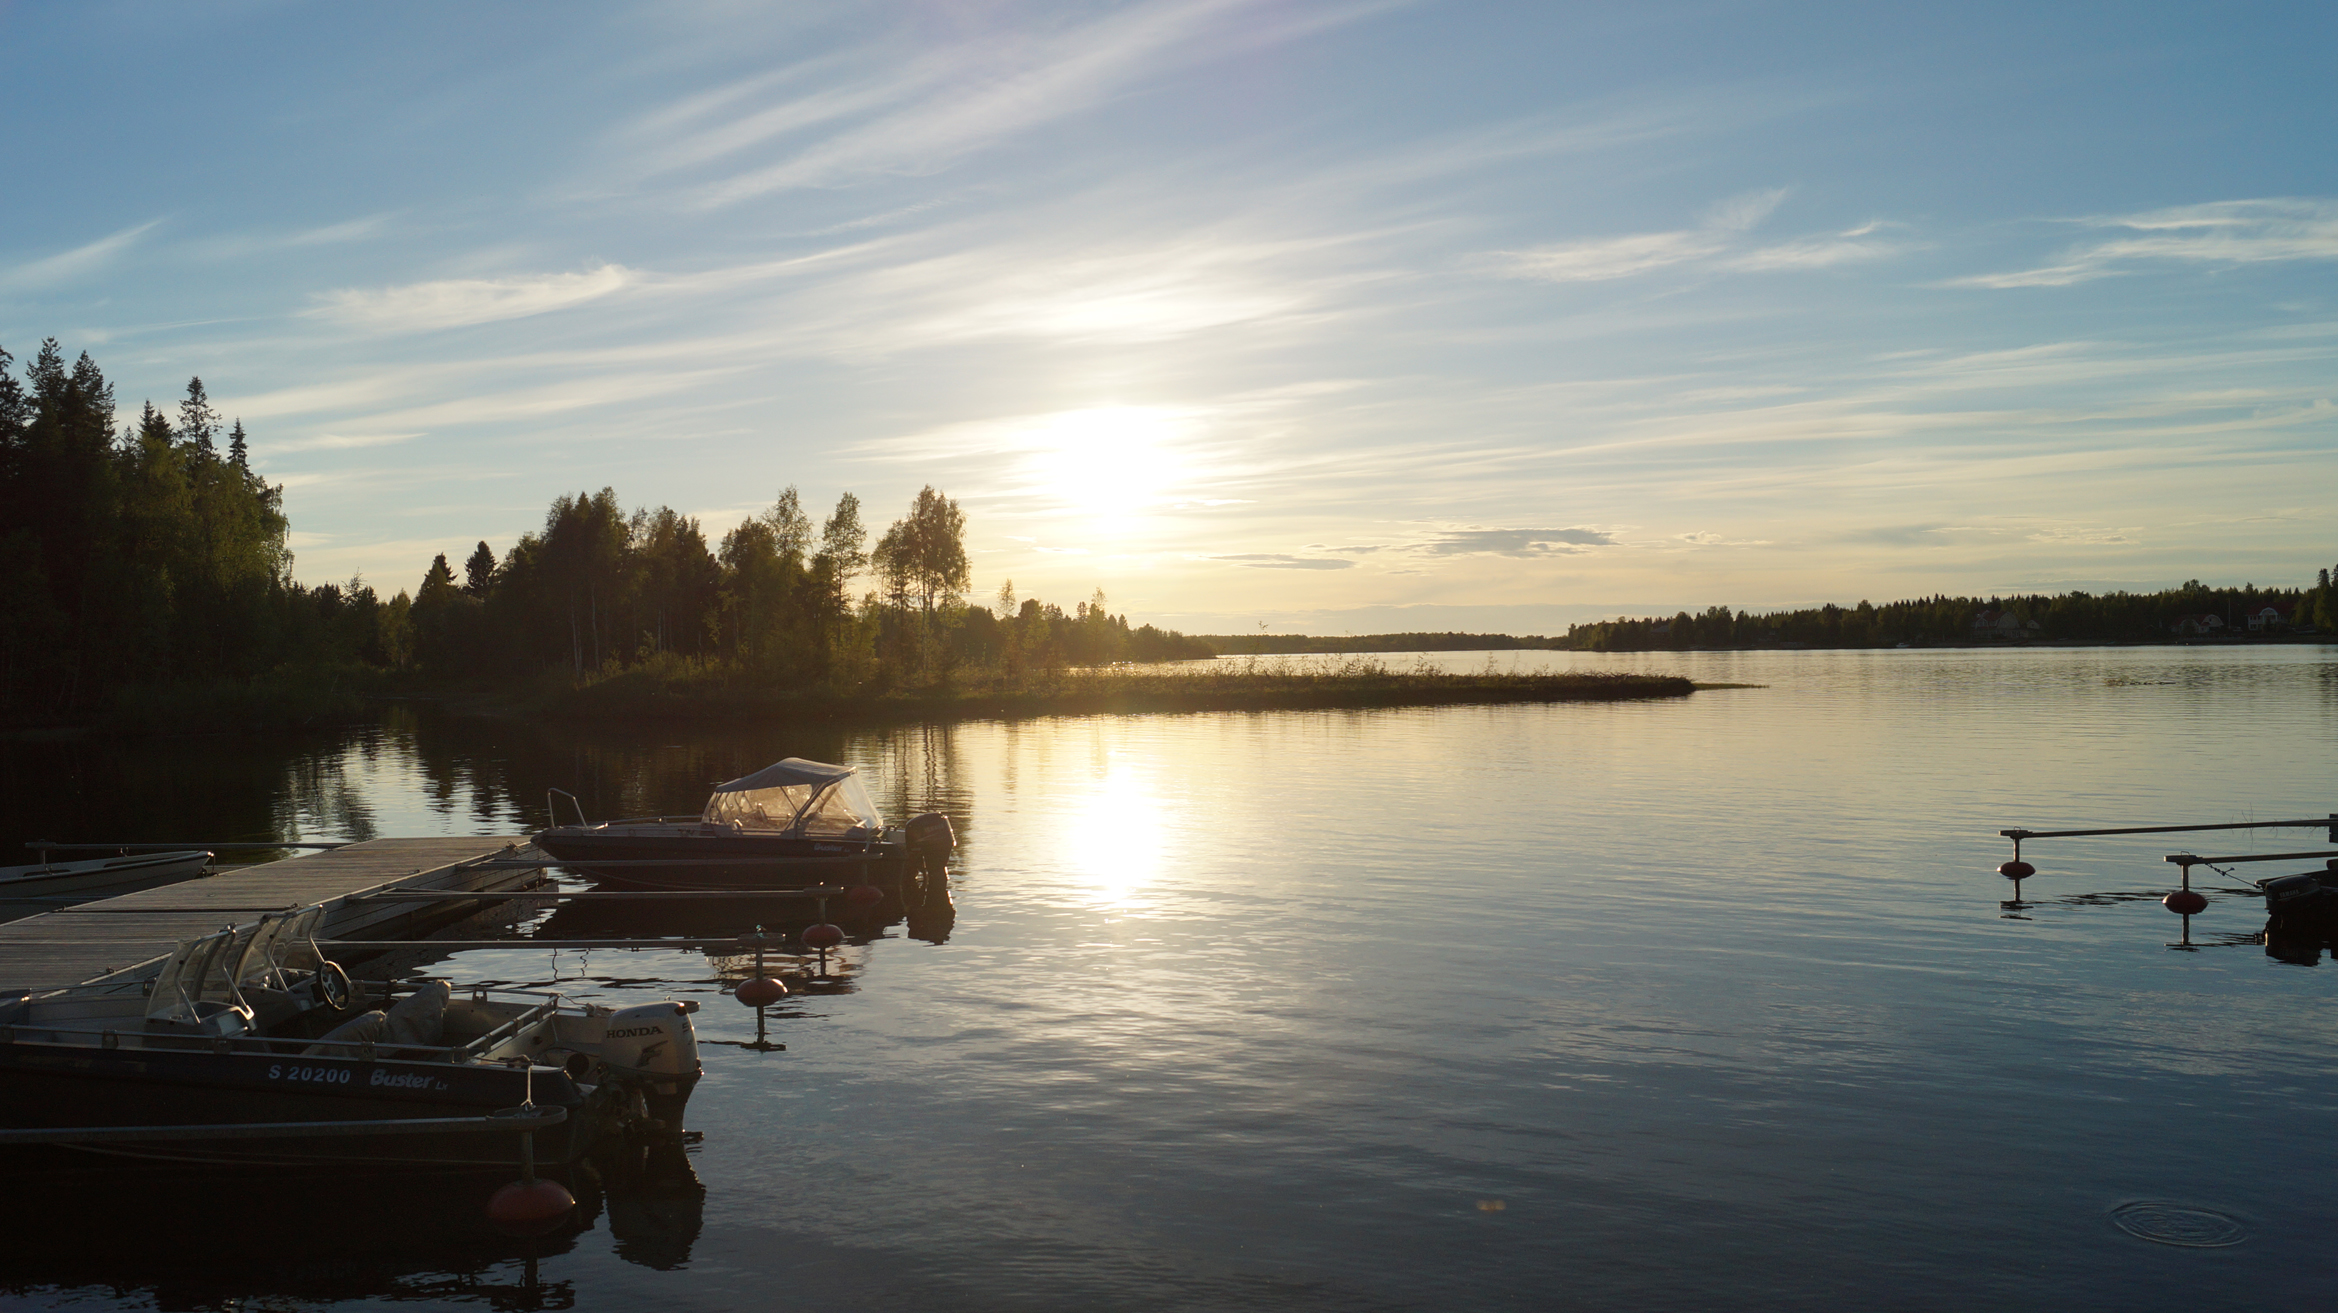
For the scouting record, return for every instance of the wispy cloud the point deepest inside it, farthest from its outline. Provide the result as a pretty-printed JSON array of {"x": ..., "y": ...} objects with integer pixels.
[
  {"x": 333, "y": 234},
  {"x": 1475, "y": 541},
  {"x": 1718, "y": 242},
  {"x": 2220, "y": 232},
  {"x": 1606, "y": 258},
  {"x": 1613, "y": 257},
  {"x": 1280, "y": 561},
  {"x": 340, "y": 441},
  {"x": 2087, "y": 535},
  {"x": 79, "y": 262},
  {"x": 931, "y": 112},
  {"x": 455, "y": 302}
]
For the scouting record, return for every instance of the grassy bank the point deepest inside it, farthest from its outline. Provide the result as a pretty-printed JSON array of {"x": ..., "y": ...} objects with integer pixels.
[
  {"x": 680, "y": 692},
  {"x": 677, "y": 695}
]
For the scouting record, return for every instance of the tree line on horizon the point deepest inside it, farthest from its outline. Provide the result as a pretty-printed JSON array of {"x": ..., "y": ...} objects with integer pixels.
[
  {"x": 2066, "y": 617},
  {"x": 147, "y": 556},
  {"x": 599, "y": 591}
]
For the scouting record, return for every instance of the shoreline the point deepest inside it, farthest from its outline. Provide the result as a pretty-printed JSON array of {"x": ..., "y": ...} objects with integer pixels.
[
  {"x": 637, "y": 698},
  {"x": 1107, "y": 695}
]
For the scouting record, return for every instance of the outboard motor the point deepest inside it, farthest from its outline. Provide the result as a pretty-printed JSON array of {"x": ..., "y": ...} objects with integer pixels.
[
  {"x": 2309, "y": 898},
  {"x": 654, "y": 1043},
  {"x": 932, "y": 839}
]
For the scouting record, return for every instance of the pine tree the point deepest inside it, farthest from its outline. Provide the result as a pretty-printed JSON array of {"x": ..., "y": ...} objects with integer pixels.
[
  {"x": 198, "y": 422},
  {"x": 437, "y": 585},
  {"x": 238, "y": 450},
  {"x": 479, "y": 572}
]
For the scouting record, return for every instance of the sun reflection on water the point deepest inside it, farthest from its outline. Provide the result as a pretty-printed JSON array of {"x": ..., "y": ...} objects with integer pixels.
[{"x": 1114, "y": 838}]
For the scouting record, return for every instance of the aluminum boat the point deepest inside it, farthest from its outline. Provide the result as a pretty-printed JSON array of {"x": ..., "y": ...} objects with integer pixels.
[
  {"x": 248, "y": 1047},
  {"x": 25, "y": 890}
]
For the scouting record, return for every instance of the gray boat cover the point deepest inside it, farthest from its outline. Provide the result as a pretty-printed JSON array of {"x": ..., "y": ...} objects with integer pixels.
[{"x": 794, "y": 770}]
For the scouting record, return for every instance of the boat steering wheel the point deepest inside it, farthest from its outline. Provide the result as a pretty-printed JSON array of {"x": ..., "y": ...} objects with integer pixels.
[{"x": 333, "y": 987}]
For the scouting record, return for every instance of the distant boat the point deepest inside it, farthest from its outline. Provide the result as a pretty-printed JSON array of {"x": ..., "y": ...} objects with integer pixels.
[
  {"x": 792, "y": 824},
  {"x": 25, "y": 890}
]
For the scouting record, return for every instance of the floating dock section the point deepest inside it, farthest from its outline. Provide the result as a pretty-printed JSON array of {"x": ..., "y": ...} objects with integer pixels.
[{"x": 125, "y": 935}]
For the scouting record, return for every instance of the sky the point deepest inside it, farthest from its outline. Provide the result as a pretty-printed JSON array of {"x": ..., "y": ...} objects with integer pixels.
[{"x": 1318, "y": 316}]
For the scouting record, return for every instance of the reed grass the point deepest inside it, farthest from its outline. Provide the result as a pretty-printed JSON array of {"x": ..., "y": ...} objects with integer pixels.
[{"x": 1254, "y": 684}]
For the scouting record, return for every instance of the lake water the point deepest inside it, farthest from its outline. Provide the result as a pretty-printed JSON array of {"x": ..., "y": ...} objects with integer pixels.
[{"x": 1688, "y": 1004}]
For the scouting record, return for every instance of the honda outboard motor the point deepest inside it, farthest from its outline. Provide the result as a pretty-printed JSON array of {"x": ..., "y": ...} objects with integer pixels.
[
  {"x": 655, "y": 1044},
  {"x": 932, "y": 839}
]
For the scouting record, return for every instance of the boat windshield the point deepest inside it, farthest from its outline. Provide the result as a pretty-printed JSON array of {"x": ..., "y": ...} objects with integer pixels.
[
  {"x": 759, "y": 809},
  {"x": 844, "y": 810},
  {"x": 828, "y": 808}
]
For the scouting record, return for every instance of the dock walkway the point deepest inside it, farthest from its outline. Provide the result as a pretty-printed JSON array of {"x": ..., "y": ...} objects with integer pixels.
[{"x": 78, "y": 944}]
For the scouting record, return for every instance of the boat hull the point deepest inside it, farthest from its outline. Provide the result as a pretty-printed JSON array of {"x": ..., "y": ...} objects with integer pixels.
[
  {"x": 47, "y": 1086},
  {"x": 668, "y": 857},
  {"x": 27, "y": 890}
]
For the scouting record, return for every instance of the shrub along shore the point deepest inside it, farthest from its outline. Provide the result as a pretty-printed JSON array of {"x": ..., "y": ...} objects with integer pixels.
[
  {"x": 662, "y": 693},
  {"x": 651, "y": 695}
]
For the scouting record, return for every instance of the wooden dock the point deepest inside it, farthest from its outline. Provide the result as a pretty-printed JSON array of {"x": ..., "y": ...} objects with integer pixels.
[{"x": 121, "y": 936}]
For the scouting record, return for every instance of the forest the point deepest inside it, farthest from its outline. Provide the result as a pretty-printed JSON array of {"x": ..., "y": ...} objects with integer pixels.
[
  {"x": 149, "y": 557},
  {"x": 2170, "y": 615}
]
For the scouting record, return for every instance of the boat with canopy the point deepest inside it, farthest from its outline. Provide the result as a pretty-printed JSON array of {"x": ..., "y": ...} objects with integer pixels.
[{"x": 792, "y": 824}]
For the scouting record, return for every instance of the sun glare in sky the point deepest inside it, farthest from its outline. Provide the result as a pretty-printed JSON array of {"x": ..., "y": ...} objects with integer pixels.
[{"x": 1108, "y": 464}]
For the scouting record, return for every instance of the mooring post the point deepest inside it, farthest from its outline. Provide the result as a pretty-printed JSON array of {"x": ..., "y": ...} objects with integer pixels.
[{"x": 528, "y": 1137}]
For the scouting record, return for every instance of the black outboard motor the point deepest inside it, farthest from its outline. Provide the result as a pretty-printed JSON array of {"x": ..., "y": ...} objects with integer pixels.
[
  {"x": 932, "y": 840},
  {"x": 2309, "y": 898}
]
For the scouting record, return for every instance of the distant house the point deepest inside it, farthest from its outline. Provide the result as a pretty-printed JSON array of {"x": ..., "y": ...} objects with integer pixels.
[
  {"x": 1997, "y": 624},
  {"x": 2268, "y": 619},
  {"x": 2206, "y": 622}
]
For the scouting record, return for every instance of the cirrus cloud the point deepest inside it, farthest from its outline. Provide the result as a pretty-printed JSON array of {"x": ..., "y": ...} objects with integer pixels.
[
  {"x": 2261, "y": 231},
  {"x": 1279, "y": 561},
  {"x": 456, "y": 302}
]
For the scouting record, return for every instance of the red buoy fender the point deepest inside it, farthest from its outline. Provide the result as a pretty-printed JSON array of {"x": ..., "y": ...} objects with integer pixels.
[
  {"x": 864, "y": 896},
  {"x": 530, "y": 1207},
  {"x": 761, "y": 992},
  {"x": 2185, "y": 902},
  {"x": 2017, "y": 870},
  {"x": 822, "y": 935}
]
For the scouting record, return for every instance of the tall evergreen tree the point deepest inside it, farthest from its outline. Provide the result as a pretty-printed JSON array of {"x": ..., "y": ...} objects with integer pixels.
[
  {"x": 198, "y": 422},
  {"x": 238, "y": 450},
  {"x": 479, "y": 571}
]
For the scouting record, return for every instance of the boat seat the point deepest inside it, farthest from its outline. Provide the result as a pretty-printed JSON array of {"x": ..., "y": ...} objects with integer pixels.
[
  {"x": 419, "y": 1019},
  {"x": 364, "y": 1028}
]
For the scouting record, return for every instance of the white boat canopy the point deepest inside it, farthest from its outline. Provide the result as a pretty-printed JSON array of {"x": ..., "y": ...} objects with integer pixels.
[{"x": 797, "y": 796}]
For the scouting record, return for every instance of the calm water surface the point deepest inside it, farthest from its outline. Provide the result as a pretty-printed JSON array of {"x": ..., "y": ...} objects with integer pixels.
[{"x": 1687, "y": 1004}]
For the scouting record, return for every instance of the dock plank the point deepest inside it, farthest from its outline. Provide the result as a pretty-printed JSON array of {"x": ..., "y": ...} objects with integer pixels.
[{"x": 75, "y": 945}]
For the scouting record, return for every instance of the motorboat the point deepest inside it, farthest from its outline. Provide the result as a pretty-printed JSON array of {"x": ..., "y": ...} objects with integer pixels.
[
  {"x": 793, "y": 824},
  {"x": 25, "y": 890},
  {"x": 249, "y": 1047}
]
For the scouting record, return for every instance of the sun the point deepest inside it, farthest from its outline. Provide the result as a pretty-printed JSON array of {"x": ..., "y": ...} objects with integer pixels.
[{"x": 1111, "y": 462}]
